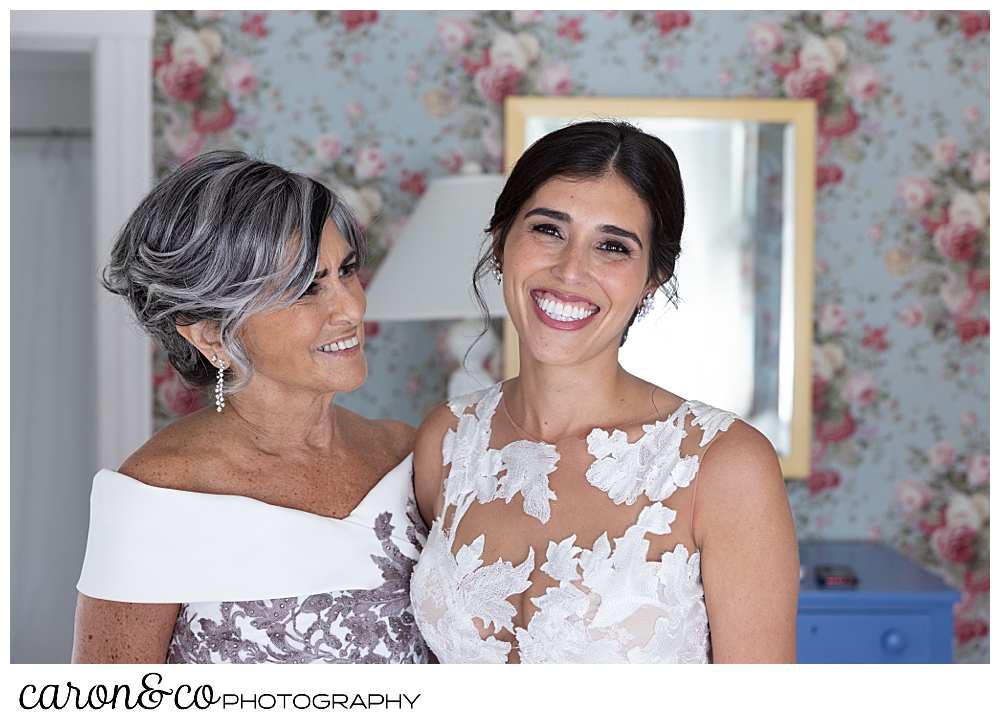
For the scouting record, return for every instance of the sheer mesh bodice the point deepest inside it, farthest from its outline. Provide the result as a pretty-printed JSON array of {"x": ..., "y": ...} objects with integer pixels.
[{"x": 566, "y": 552}]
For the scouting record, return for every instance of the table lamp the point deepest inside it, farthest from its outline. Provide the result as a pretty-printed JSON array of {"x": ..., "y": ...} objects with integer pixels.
[{"x": 427, "y": 274}]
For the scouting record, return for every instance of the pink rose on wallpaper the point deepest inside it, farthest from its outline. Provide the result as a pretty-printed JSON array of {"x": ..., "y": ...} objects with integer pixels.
[
  {"x": 878, "y": 32},
  {"x": 863, "y": 85},
  {"x": 452, "y": 161},
  {"x": 253, "y": 24},
  {"x": 176, "y": 398},
  {"x": 353, "y": 19},
  {"x": 915, "y": 191},
  {"x": 355, "y": 109},
  {"x": 941, "y": 455},
  {"x": 830, "y": 431},
  {"x": 413, "y": 182},
  {"x": 820, "y": 480},
  {"x": 916, "y": 15},
  {"x": 861, "y": 389},
  {"x": 667, "y": 20},
  {"x": 523, "y": 17},
  {"x": 832, "y": 319},
  {"x": 838, "y": 125},
  {"x": 913, "y": 316},
  {"x": 368, "y": 162},
  {"x": 978, "y": 469},
  {"x": 495, "y": 83},
  {"x": 912, "y": 496},
  {"x": 328, "y": 146},
  {"x": 945, "y": 151},
  {"x": 966, "y": 630},
  {"x": 454, "y": 33},
  {"x": 962, "y": 510},
  {"x": 807, "y": 83},
  {"x": 978, "y": 279},
  {"x": 953, "y": 544},
  {"x": 829, "y": 174},
  {"x": 968, "y": 329},
  {"x": 956, "y": 241},
  {"x": 958, "y": 300},
  {"x": 181, "y": 81},
  {"x": 556, "y": 80},
  {"x": 240, "y": 77},
  {"x": 974, "y": 23},
  {"x": 969, "y": 418},
  {"x": 570, "y": 28},
  {"x": 213, "y": 121},
  {"x": 874, "y": 337},
  {"x": 835, "y": 18},
  {"x": 980, "y": 169},
  {"x": 766, "y": 37},
  {"x": 414, "y": 73}
]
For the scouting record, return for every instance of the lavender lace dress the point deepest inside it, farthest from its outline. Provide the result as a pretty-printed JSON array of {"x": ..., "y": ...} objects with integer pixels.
[{"x": 259, "y": 583}]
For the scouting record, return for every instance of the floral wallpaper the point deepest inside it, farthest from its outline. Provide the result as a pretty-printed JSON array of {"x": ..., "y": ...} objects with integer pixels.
[{"x": 378, "y": 103}]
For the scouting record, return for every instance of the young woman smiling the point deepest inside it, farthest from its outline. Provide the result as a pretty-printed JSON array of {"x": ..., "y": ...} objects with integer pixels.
[{"x": 578, "y": 513}]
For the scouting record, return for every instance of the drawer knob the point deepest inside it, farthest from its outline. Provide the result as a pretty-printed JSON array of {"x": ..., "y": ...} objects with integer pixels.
[{"x": 894, "y": 641}]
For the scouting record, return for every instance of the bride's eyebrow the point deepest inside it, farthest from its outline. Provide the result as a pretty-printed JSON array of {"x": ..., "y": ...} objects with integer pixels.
[
  {"x": 550, "y": 213},
  {"x": 320, "y": 274}
]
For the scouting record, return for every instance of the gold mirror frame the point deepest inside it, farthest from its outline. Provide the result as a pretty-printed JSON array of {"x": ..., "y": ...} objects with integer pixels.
[{"x": 802, "y": 115}]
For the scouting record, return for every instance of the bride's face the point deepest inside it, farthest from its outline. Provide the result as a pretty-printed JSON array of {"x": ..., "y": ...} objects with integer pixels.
[{"x": 575, "y": 267}]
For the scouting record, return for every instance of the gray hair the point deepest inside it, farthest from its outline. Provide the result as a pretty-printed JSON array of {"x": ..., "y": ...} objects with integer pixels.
[{"x": 223, "y": 237}]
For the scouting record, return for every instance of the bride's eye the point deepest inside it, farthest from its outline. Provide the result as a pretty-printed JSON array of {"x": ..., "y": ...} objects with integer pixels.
[
  {"x": 613, "y": 245},
  {"x": 547, "y": 229}
]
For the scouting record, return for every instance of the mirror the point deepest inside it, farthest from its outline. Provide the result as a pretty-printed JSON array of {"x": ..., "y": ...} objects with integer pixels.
[{"x": 741, "y": 336}]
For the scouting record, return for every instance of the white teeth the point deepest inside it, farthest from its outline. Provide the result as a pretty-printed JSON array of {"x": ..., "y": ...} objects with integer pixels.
[
  {"x": 341, "y": 345},
  {"x": 563, "y": 312}
]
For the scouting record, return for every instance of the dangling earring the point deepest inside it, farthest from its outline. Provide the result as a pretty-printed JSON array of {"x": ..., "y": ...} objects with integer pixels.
[
  {"x": 645, "y": 307},
  {"x": 495, "y": 268},
  {"x": 219, "y": 399}
]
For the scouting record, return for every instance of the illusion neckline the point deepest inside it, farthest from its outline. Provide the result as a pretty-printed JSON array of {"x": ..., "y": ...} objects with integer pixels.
[{"x": 669, "y": 419}]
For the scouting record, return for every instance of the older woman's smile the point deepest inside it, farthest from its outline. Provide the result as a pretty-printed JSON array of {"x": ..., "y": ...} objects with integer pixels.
[{"x": 342, "y": 345}]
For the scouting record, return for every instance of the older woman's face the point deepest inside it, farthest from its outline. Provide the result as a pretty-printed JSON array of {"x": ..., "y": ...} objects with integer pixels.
[
  {"x": 575, "y": 266},
  {"x": 315, "y": 345}
]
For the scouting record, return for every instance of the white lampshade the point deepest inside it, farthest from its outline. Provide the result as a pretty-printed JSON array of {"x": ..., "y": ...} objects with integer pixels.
[{"x": 427, "y": 274}]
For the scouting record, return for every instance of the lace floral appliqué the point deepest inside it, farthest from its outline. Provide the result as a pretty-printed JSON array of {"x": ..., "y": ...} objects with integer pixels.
[{"x": 356, "y": 626}]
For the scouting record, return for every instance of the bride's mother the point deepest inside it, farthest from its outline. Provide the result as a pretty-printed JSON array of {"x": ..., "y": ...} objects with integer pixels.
[{"x": 275, "y": 525}]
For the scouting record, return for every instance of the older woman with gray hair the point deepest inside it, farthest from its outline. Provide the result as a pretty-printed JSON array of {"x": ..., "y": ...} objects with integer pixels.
[{"x": 274, "y": 526}]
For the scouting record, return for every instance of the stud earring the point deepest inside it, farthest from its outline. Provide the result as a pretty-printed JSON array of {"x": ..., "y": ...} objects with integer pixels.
[
  {"x": 219, "y": 399},
  {"x": 645, "y": 307},
  {"x": 495, "y": 268}
]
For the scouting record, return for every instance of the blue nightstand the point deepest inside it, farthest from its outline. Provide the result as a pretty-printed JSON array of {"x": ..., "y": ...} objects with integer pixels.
[{"x": 898, "y": 613}]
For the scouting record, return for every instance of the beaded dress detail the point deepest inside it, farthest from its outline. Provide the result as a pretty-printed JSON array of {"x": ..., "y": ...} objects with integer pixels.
[{"x": 544, "y": 586}]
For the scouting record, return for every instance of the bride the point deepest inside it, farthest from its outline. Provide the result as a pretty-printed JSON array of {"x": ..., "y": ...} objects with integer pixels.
[{"x": 578, "y": 513}]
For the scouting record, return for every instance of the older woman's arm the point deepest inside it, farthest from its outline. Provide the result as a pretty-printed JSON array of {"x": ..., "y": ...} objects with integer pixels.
[
  {"x": 749, "y": 555},
  {"x": 112, "y": 632}
]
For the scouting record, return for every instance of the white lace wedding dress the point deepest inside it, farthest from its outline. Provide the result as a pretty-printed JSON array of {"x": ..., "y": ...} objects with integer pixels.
[{"x": 509, "y": 574}]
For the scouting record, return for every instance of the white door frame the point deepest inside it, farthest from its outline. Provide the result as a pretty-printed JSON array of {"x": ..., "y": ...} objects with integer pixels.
[{"x": 121, "y": 46}]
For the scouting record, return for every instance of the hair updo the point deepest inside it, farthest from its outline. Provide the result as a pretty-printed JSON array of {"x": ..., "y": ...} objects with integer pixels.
[
  {"x": 591, "y": 150},
  {"x": 221, "y": 238}
]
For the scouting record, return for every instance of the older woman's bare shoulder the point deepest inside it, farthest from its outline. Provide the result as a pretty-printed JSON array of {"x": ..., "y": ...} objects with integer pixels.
[
  {"x": 394, "y": 437},
  {"x": 180, "y": 456}
]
